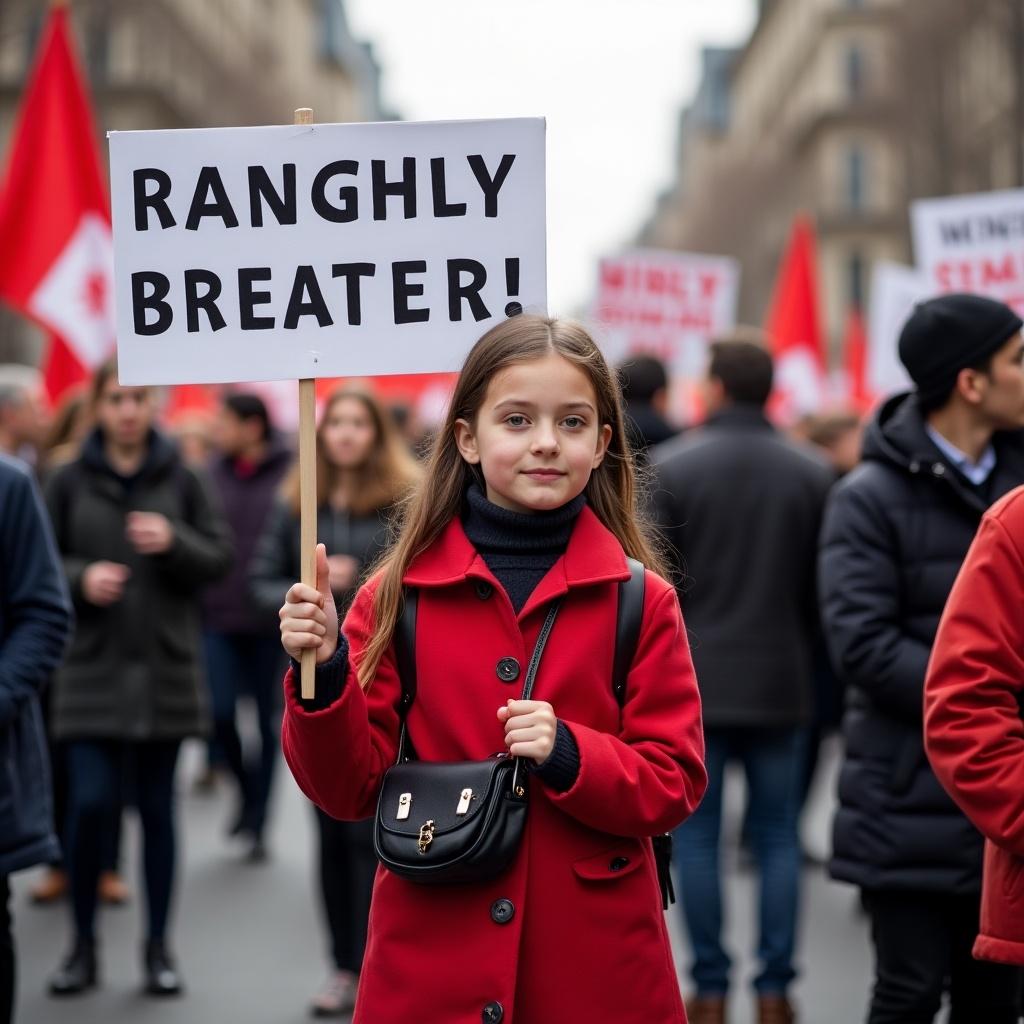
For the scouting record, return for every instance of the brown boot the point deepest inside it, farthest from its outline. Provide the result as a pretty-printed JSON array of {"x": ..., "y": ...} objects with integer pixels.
[
  {"x": 705, "y": 1009},
  {"x": 775, "y": 1010},
  {"x": 51, "y": 887},
  {"x": 112, "y": 890}
]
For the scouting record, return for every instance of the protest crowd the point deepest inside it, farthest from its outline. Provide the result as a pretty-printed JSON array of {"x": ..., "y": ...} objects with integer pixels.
[
  {"x": 513, "y": 609},
  {"x": 837, "y": 596}
]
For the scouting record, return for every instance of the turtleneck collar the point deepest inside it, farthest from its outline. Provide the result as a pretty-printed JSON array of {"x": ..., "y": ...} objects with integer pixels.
[
  {"x": 518, "y": 548},
  {"x": 490, "y": 527}
]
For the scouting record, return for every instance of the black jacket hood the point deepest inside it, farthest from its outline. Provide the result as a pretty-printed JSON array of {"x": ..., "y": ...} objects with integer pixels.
[{"x": 896, "y": 436}]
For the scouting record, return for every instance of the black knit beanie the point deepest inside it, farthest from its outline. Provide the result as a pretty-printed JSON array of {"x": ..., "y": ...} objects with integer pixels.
[{"x": 946, "y": 335}]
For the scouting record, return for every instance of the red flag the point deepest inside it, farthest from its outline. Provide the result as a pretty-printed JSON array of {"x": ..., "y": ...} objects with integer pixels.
[
  {"x": 794, "y": 327},
  {"x": 56, "y": 251},
  {"x": 855, "y": 364}
]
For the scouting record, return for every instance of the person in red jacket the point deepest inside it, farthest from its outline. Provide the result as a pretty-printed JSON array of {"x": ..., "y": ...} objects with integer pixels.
[
  {"x": 974, "y": 700},
  {"x": 528, "y": 498}
]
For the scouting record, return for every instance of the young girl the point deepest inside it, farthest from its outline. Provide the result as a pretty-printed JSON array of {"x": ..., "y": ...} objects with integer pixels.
[
  {"x": 363, "y": 470},
  {"x": 529, "y": 497}
]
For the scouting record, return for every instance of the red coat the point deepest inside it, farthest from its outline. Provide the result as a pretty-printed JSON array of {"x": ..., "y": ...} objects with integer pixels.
[
  {"x": 973, "y": 728},
  {"x": 587, "y": 940}
]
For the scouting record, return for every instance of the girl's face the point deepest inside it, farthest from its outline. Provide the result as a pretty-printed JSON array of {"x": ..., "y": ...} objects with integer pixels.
[
  {"x": 536, "y": 436},
  {"x": 125, "y": 415},
  {"x": 348, "y": 434}
]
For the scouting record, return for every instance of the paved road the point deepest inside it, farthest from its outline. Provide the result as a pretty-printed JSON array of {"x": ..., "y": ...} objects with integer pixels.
[{"x": 251, "y": 949}]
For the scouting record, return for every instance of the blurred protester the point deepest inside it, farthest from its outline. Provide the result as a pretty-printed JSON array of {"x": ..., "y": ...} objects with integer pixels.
[
  {"x": 61, "y": 443},
  {"x": 974, "y": 704},
  {"x": 35, "y": 620},
  {"x": 22, "y": 417},
  {"x": 193, "y": 434},
  {"x": 243, "y": 653},
  {"x": 363, "y": 470},
  {"x": 139, "y": 537},
  {"x": 896, "y": 531},
  {"x": 644, "y": 382},
  {"x": 840, "y": 436},
  {"x": 741, "y": 506},
  {"x": 68, "y": 428}
]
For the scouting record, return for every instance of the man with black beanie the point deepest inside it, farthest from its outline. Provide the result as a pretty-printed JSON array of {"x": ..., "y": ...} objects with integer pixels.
[{"x": 896, "y": 531}]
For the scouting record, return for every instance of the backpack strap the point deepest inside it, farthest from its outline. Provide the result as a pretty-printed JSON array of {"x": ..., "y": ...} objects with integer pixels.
[
  {"x": 628, "y": 620},
  {"x": 405, "y": 654}
]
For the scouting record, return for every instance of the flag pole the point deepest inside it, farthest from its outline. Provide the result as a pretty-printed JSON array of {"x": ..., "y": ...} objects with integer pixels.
[{"x": 307, "y": 486}]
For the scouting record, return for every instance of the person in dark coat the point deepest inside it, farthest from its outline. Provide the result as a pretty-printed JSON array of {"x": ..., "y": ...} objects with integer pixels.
[
  {"x": 35, "y": 619},
  {"x": 243, "y": 655},
  {"x": 644, "y": 382},
  {"x": 363, "y": 470},
  {"x": 740, "y": 506},
  {"x": 896, "y": 531},
  {"x": 140, "y": 536}
]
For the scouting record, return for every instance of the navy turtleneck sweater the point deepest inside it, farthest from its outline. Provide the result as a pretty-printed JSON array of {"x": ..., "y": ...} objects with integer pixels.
[{"x": 519, "y": 549}]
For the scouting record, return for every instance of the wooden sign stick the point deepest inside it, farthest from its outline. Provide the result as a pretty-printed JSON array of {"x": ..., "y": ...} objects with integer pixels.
[{"x": 307, "y": 486}]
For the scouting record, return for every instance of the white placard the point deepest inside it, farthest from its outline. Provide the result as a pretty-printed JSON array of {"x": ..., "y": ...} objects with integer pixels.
[
  {"x": 895, "y": 290},
  {"x": 973, "y": 243},
  {"x": 322, "y": 250},
  {"x": 668, "y": 304}
]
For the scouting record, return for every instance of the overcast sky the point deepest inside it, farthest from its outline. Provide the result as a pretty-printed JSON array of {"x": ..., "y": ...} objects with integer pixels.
[{"x": 610, "y": 76}]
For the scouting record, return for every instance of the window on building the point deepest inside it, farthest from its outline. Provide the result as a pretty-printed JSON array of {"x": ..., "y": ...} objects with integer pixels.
[
  {"x": 856, "y": 179},
  {"x": 855, "y": 279},
  {"x": 97, "y": 46},
  {"x": 853, "y": 72}
]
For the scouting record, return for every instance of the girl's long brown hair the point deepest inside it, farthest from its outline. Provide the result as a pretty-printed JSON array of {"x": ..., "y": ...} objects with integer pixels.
[
  {"x": 387, "y": 476},
  {"x": 611, "y": 491}
]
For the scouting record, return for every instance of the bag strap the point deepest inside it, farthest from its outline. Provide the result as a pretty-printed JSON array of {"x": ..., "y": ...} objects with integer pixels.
[
  {"x": 538, "y": 650},
  {"x": 405, "y": 655},
  {"x": 628, "y": 620}
]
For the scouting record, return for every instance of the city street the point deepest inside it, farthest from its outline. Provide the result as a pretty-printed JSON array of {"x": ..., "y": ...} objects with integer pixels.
[{"x": 251, "y": 949}]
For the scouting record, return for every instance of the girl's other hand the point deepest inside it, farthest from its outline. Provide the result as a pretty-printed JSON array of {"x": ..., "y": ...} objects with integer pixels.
[
  {"x": 309, "y": 618},
  {"x": 530, "y": 727}
]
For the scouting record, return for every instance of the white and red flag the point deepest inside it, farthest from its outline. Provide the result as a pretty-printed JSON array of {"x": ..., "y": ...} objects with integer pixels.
[
  {"x": 794, "y": 328},
  {"x": 56, "y": 251}
]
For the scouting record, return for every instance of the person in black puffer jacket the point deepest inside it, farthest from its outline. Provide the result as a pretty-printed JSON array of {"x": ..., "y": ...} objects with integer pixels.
[{"x": 895, "y": 534}]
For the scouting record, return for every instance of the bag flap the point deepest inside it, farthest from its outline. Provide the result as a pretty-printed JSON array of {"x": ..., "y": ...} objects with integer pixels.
[{"x": 435, "y": 791}]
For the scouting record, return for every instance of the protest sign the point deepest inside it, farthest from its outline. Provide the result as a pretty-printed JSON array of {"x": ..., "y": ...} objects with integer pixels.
[
  {"x": 895, "y": 290},
  {"x": 972, "y": 243},
  {"x": 314, "y": 250},
  {"x": 667, "y": 304}
]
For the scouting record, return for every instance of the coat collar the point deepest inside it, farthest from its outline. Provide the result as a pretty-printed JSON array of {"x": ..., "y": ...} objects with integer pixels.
[
  {"x": 740, "y": 416},
  {"x": 593, "y": 555}
]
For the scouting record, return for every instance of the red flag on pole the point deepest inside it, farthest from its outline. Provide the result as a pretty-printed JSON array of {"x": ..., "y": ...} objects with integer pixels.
[
  {"x": 794, "y": 327},
  {"x": 855, "y": 364},
  {"x": 56, "y": 250}
]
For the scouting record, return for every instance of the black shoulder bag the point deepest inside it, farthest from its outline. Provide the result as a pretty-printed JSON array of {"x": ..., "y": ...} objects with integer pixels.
[{"x": 450, "y": 823}]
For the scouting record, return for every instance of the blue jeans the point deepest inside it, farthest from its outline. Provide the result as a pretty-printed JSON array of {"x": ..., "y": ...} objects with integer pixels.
[
  {"x": 239, "y": 665},
  {"x": 772, "y": 760}
]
